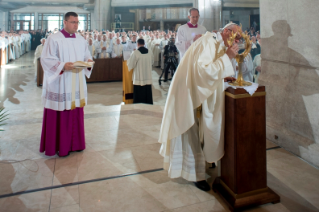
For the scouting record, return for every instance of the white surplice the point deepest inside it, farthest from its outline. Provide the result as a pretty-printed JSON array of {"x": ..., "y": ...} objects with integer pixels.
[
  {"x": 185, "y": 36},
  {"x": 57, "y": 87},
  {"x": 142, "y": 65},
  {"x": 256, "y": 63},
  {"x": 117, "y": 50},
  {"x": 105, "y": 53},
  {"x": 248, "y": 68},
  {"x": 98, "y": 49},
  {"x": 199, "y": 80},
  {"x": 156, "y": 51}
]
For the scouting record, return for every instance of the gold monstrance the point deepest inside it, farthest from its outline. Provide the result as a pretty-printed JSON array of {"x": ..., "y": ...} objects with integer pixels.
[{"x": 240, "y": 58}]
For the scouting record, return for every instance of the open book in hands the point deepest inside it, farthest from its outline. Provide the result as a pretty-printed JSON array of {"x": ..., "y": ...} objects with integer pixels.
[{"x": 81, "y": 64}]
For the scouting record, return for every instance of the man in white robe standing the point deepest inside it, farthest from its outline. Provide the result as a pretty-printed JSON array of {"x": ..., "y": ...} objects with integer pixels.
[
  {"x": 198, "y": 83},
  {"x": 189, "y": 32},
  {"x": 64, "y": 92},
  {"x": 37, "y": 55},
  {"x": 155, "y": 47},
  {"x": 141, "y": 62}
]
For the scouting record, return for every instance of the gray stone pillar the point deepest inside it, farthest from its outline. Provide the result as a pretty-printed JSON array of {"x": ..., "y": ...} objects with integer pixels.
[
  {"x": 36, "y": 20},
  {"x": 210, "y": 14},
  {"x": 102, "y": 17},
  {"x": 137, "y": 21},
  {"x": 162, "y": 25}
]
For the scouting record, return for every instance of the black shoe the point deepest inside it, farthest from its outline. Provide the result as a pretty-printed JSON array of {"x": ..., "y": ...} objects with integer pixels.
[
  {"x": 79, "y": 150},
  {"x": 202, "y": 185}
]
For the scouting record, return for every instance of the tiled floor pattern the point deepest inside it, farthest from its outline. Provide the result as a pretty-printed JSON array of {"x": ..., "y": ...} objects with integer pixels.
[{"x": 120, "y": 139}]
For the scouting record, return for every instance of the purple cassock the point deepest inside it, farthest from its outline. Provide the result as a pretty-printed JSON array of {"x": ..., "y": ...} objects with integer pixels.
[{"x": 62, "y": 131}]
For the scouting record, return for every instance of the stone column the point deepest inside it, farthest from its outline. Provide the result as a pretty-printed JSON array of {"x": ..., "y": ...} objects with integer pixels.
[
  {"x": 210, "y": 14},
  {"x": 161, "y": 25},
  {"x": 102, "y": 11},
  {"x": 36, "y": 20},
  {"x": 290, "y": 72},
  {"x": 137, "y": 21}
]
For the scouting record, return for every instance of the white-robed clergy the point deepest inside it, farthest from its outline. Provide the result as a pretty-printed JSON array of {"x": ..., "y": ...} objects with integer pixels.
[
  {"x": 155, "y": 47},
  {"x": 37, "y": 55},
  {"x": 117, "y": 49},
  {"x": 132, "y": 45},
  {"x": 189, "y": 32},
  {"x": 64, "y": 92},
  {"x": 97, "y": 47},
  {"x": 198, "y": 81},
  {"x": 257, "y": 65},
  {"x": 106, "y": 48},
  {"x": 141, "y": 61},
  {"x": 91, "y": 47},
  {"x": 248, "y": 72}
]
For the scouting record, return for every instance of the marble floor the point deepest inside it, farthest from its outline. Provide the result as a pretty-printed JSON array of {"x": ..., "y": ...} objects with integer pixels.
[{"x": 120, "y": 139}]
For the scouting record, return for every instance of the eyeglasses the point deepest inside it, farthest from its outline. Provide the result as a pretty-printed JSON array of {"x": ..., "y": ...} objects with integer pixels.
[{"x": 74, "y": 22}]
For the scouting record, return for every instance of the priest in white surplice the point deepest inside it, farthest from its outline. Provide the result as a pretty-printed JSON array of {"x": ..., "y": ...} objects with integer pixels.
[
  {"x": 141, "y": 62},
  {"x": 64, "y": 92},
  {"x": 189, "y": 32},
  {"x": 198, "y": 81},
  {"x": 37, "y": 55}
]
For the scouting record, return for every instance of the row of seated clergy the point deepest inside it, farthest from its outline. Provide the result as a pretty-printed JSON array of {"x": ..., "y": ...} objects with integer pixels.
[
  {"x": 107, "y": 49},
  {"x": 15, "y": 46}
]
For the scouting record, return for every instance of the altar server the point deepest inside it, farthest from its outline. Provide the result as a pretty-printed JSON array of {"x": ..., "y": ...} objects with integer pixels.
[
  {"x": 141, "y": 62},
  {"x": 198, "y": 81},
  {"x": 189, "y": 32},
  {"x": 37, "y": 55},
  {"x": 64, "y": 92}
]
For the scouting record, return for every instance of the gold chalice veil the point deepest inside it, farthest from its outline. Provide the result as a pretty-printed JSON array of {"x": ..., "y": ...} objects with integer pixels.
[{"x": 240, "y": 58}]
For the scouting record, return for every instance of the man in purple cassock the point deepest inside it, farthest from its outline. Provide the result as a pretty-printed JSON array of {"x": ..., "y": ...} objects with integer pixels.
[{"x": 64, "y": 91}]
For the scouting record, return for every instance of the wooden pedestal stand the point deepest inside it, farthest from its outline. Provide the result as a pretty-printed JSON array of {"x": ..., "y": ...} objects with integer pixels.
[{"x": 243, "y": 180}]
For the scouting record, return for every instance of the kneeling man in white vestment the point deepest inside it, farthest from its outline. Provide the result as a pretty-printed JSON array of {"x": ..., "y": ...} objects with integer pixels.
[{"x": 188, "y": 140}]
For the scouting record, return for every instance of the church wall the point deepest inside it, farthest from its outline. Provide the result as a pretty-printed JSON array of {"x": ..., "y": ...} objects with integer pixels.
[
  {"x": 240, "y": 16},
  {"x": 290, "y": 72}
]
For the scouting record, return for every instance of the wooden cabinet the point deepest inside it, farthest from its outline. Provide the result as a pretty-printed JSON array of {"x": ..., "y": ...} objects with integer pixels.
[{"x": 104, "y": 70}]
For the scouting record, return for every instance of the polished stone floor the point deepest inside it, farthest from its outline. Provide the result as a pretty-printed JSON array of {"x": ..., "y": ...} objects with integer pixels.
[{"x": 120, "y": 139}]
